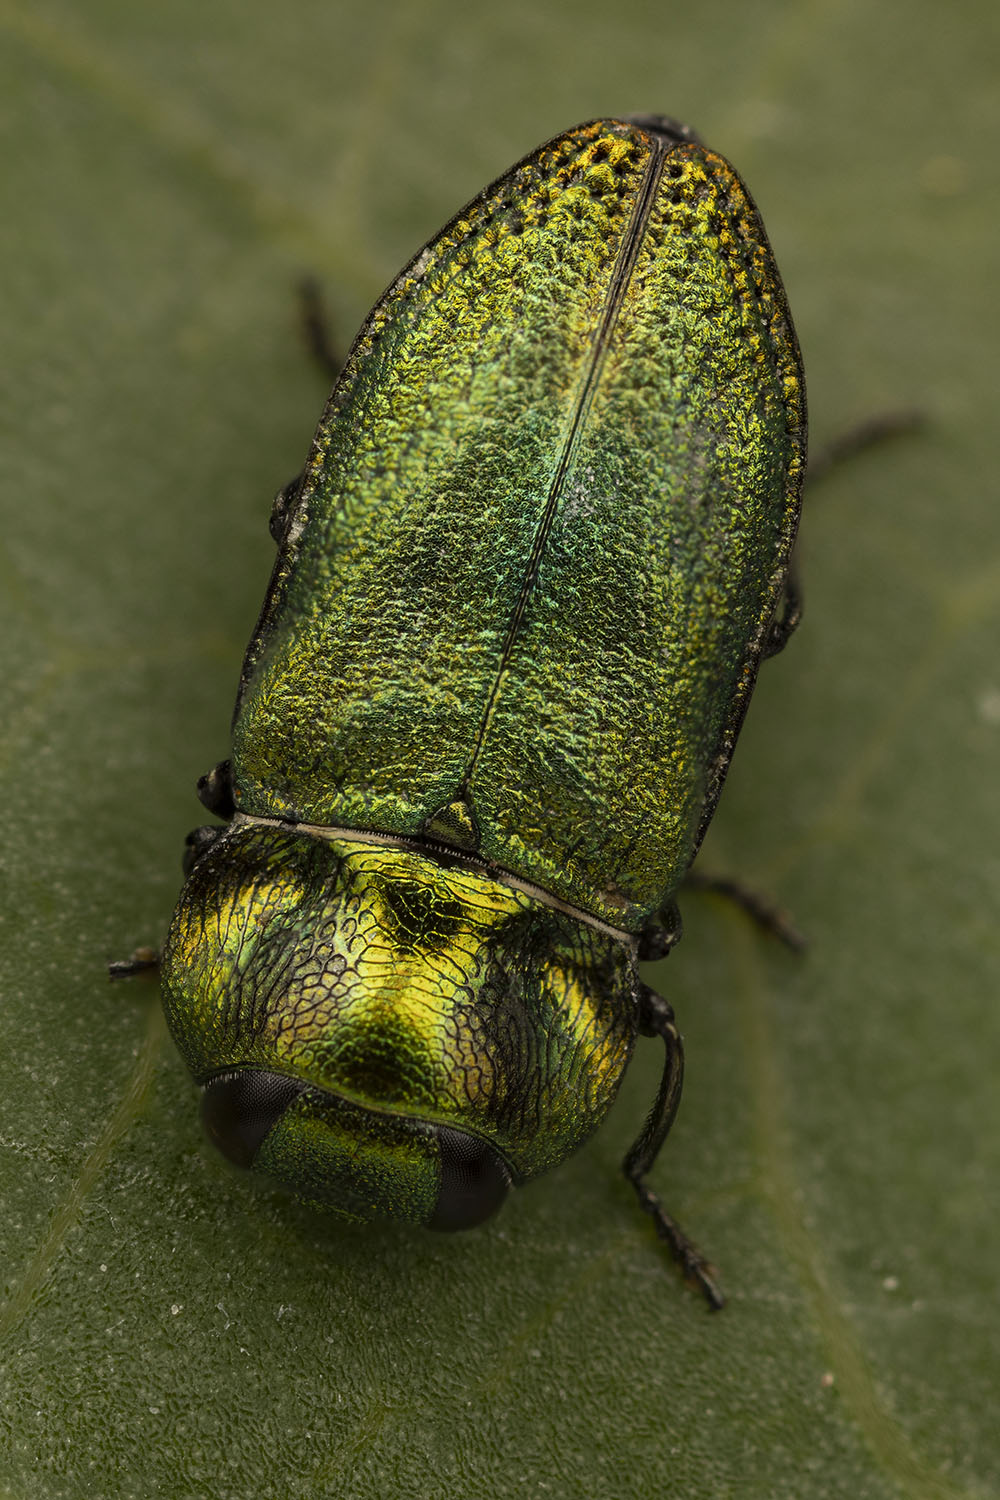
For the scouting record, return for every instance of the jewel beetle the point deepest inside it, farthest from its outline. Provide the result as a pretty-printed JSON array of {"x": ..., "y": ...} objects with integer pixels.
[{"x": 523, "y": 585}]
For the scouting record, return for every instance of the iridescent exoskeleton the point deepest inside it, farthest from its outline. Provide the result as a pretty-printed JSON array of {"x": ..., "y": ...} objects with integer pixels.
[{"x": 523, "y": 586}]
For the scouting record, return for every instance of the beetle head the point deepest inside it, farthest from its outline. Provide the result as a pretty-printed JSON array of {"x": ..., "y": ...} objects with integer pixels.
[{"x": 385, "y": 1035}]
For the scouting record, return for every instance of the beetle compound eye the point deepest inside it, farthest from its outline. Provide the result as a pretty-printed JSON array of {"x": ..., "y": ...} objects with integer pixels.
[
  {"x": 240, "y": 1108},
  {"x": 474, "y": 1182}
]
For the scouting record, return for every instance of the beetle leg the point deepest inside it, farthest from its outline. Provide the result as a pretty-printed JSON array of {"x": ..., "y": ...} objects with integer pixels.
[
  {"x": 316, "y": 327},
  {"x": 855, "y": 440},
  {"x": 656, "y": 1018},
  {"x": 771, "y": 918},
  {"x": 791, "y": 613},
  {"x": 658, "y": 937},
  {"x": 215, "y": 790},
  {"x": 197, "y": 843},
  {"x": 281, "y": 509},
  {"x": 142, "y": 960},
  {"x": 886, "y": 424}
]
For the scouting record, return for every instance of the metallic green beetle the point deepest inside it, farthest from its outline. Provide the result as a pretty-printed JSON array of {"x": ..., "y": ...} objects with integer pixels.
[{"x": 522, "y": 589}]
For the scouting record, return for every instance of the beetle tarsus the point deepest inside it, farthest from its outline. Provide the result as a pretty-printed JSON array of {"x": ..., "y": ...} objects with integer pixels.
[{"x": 694, "y": 1267}]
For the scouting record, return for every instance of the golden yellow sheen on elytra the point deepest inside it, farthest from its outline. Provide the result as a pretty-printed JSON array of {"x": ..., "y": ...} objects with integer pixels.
[
  {"x": 486, "y": 402},
  {"x": 520, "y": 598}
]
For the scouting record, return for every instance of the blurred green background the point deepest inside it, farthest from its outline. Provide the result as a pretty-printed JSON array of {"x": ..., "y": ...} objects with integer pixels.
[{"x": 168, "y": 1329}]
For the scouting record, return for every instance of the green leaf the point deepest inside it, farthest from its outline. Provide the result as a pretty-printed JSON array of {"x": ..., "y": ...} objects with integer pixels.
[{"x": 169, "y": 1328}]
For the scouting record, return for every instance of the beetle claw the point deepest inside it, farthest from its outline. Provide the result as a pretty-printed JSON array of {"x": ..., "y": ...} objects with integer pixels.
[{"x": 695, "y": 1268}]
